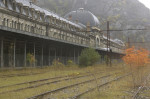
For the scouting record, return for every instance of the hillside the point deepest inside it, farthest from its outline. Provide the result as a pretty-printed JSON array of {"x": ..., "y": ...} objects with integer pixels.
[{"x": 122, "y": 14}]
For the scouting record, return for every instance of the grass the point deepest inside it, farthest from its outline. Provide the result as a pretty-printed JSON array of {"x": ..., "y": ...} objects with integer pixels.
[
  {"x": 145, "y": 93},
  {"x": 115, "y": 90},
  {"x": 122, "y": 89}
]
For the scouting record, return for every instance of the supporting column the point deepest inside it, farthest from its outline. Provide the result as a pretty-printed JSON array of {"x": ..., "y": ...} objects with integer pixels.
[
  {"x": 66, "y": 51},
  {"x": 25, "y": 54},
  {"x": 49, "y": 57},
  {"x": 78, "y": 56},
  {"x": 14, "y": 53},
  {"x": 62, "y": 58},
  {"x": 74, "y": 56},
  {"x": 2, "y": 55},
  {"x": 55, "y": 54},
  {"x": 42, "y": 56},
  {"x": 34, "y": 54}
]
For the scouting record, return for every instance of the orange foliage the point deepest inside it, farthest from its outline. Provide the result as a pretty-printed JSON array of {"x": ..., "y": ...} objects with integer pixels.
[{"x": 136, "y": 57}]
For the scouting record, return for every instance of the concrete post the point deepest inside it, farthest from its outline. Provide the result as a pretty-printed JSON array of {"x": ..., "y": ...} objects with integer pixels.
[
  {"x": 14, "y": 53},
  {"x": 74, "y": 55},
  {"x": 25, "y": 54},
  {"x": 55, "y": 54},
  {"x": 34, "y": 54},
  {"x": 49, "y": 57},
  {"x": 62, "y": 59},
  {"x": 2, "y": 55},
  {"x": 42, "y": 56},
  {"x": 78, "y": 56}
]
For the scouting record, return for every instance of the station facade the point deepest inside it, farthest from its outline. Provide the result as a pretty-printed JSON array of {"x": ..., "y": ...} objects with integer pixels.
[{"x": 25, "y": 29}]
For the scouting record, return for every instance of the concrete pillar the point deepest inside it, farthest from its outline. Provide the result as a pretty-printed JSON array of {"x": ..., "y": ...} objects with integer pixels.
[
  {"x": 42, "y": 56},
  {"x": 15, "y": 53},
  {"x": 55, "y": 54},
  {"x": 62, "y": 58},
  {"x": 34, "y": 54},
  {"x": 74, "y": 55},
  {"x": 25, "y": 54},
  {"x": 2, "y": 55},
  {"x": 66, "y": 54},
  {"x": 78, "y": 56},
  {"x": 49, "y": 56}
]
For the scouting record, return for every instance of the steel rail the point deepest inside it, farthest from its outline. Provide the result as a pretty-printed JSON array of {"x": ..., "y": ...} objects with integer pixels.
[
  {"x": 47, "y": 83},
  {"x": 141, "y": 87},
  {"x": 38, "y": 80},
  {"x": 101, "y": 85},
  {"x": 40, "y": 96}
]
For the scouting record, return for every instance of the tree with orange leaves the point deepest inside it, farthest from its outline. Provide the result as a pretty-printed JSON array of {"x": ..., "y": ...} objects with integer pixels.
[
  {"x": 137, "y": 60},
  {"x": 136, "y": 57}
]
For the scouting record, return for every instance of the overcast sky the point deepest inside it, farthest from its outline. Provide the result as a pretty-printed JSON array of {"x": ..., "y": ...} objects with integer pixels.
[{"x": 146, "y": 3}]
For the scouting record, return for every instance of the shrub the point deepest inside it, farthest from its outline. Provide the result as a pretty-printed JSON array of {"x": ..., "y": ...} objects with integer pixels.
[
  {"x": 88, "y": 57},
  {"x": 31, "y": 59},
  {"x": 57, "y": 63},
  {"x": 70, "y": 62}
]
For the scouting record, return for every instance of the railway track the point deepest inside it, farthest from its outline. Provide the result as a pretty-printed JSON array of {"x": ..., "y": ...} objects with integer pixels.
[
  {"x": 34, "y": 85},
  {"x": 30, "y": 82},
  {"x": 46, "y": 95},
  {"x": 99, "y": 86},
  {"x": 23, "y": 74},
  {"x": 136, "y": 94},
  {"x": 51, "y": 78}
]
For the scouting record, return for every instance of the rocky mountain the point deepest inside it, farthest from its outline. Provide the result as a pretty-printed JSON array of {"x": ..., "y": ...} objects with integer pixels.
[{"x": 122, "y": 14}]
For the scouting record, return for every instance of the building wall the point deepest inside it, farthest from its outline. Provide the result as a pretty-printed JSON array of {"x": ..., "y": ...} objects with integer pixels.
[
  {"x": 46, "y": 26},
  {"x": 49, "y": 25}
]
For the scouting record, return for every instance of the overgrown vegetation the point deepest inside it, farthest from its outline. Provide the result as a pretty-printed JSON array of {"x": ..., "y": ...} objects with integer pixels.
[
  {"x": 70, "y": 63},
  {"x": 31, "y": 59},
  {"x": 48, "y": 72},
  {"x": 88, "y": 57},
  {"x": 57, "y": 63},
  {"x": 137, "y": 59}
]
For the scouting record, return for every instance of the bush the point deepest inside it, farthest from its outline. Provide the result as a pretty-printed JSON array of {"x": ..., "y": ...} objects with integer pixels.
[
  {"x": 30, "y": 59},
  {"x": 57, "y": 63},
  {"x": 70, "y": 63},
  {"x": 88, "y": 57}
]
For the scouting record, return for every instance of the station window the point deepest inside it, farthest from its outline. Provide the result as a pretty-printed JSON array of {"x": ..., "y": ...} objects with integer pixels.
[
  {"x": 4, "y": 20},
  {"x": 12, "y": 24},
  {"x": 6, "y": 3},
  {"x": 15, "y": 25},
  {"x": 21, "y": 26},
  {"x": 28, "y": 28},
  {"x": 25, "y": 27},
  {"x": 18, "y": 26},
  {"x": 2, "y": 3}
]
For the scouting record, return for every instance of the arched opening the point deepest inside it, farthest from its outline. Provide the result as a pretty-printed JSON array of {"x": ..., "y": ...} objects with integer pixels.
[
  {"x": 25, "y": 27},
  {"x": 12, "y": 24},
  {"x": 15, "y": 25},
  {"x": 32, "y": 29},
  {"x": 10, "y": 4},
  {"x": 18, "y": 25},
  {"x": 7, "y": 24},
  {"x": 2, "y": 3},
  {"x": 21, "y": 26},
  {"x": 28, "y": 28},
  {"x": 97, "y": 41},
  {"x": 4, "y": 21}
]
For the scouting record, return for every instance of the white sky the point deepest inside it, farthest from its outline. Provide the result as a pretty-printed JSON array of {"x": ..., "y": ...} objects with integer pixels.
[{"x": 146, "y": 3}]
